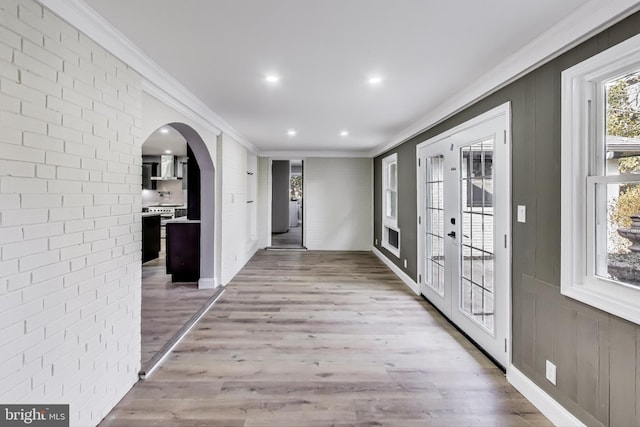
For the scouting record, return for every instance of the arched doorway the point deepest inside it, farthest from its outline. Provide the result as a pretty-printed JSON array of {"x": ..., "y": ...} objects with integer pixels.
[{"x": 171, "y": 303}]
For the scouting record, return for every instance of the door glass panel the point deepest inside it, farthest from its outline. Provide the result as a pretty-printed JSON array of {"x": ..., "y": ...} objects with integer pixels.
[
  {"x": 476, "y": 245},
  {"x": 434, "y": 221}
]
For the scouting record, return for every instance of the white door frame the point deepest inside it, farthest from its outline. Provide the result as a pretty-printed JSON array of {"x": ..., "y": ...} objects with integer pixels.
[
  {"x": 503, "y": 111},
  {"x": 269, "y": 198}
]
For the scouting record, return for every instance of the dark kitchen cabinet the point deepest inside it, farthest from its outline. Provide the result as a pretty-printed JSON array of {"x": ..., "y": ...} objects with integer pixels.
[
  {"x": 183, "y": 250},
  {"x": 150, "y": 237},
  {"x": 149, "y": 170},
  {"x": 193, "y": 186}
]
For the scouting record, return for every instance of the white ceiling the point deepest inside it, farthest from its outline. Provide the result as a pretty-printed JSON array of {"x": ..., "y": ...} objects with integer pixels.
[
  {"x": 427, "y": 51},
  {"x": 165, "y": 140}
]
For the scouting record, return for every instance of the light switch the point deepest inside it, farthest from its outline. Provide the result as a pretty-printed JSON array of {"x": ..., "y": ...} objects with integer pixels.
[
  {"x": 550, "y": 373},
  {"x": 522, "y": 213}
]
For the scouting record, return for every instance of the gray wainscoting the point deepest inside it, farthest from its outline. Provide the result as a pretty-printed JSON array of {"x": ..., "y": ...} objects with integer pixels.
[{"x": 597, "y": 355}]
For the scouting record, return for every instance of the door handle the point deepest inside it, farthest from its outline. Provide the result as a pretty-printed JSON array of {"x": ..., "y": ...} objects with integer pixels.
[{"x": 452, "y": 234}]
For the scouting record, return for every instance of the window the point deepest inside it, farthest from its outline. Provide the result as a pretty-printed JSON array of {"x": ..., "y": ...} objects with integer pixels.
[
  {"x": 390, "y": 230},
  {"x": 601, "y": 181},
  {"x": 477, "y": 165}
]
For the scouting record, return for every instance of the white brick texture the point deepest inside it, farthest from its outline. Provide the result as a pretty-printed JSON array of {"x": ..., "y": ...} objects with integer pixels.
[{"x": 69, "y": 224}]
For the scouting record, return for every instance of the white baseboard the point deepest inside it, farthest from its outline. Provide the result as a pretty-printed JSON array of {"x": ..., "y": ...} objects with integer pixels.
[
  {"x": 551, "y": 409},
  {"x": 398, "y": 272},
  {"x": 207, "y": 283}
]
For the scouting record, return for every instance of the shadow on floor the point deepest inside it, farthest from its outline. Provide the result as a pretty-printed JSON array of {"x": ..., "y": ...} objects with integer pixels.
[{"x": 290, "y": 239}]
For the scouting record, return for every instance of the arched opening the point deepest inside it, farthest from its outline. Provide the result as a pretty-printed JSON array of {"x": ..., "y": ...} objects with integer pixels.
[{"x": 180, "y": 211}]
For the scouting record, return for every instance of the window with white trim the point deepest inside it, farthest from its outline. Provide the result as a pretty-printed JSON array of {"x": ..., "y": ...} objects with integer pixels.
[
  {"x": 390, "y": 230},
  {"x": 601, "y": 181}
]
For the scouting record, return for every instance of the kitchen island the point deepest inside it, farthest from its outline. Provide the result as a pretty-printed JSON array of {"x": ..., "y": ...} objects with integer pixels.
[{"x": 183, "y": 249}]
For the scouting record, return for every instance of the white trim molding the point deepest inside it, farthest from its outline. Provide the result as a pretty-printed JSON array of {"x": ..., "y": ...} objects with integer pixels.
[
  {"x": 583, "y": 141},
  {"x": 157, "y": 81},
  {"x": 549, "y": 407},
  {"x": 163, "y": 96},
  {"x": 184, "y": 333},
  {"x": 583, "y": 23},
  {"x": 311, "y": 153},
  {"x": 208, "y": 283},
  {"x": 398, "y": 272}
]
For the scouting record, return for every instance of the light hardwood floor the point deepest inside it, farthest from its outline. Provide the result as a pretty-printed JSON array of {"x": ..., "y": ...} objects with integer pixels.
[
  {"x": 166, "y": 307},
  {"x": 323, "y": 338},
  {"x": 290, "y": 239}
]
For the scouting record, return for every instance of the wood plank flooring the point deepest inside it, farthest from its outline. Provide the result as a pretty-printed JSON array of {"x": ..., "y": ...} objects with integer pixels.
[
  {"x": 317, "y": 339},
  {"x": 166, "y": 306},
  {"x": 290, "y": 239}
]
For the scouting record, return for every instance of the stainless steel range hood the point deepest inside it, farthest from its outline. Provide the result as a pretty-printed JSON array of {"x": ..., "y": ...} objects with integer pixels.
[{"x": 167, "y": 169}]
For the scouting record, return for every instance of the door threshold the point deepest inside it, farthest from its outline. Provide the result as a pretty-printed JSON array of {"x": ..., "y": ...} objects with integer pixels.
[
  {"x": 159, "y": 357},
  {"x": 282, "y": 248}
]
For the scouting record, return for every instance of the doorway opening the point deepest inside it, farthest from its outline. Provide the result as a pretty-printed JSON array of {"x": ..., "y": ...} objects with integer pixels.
[
  {"x": 173, "y": 298},
  {"x": 287, "y": 207}
]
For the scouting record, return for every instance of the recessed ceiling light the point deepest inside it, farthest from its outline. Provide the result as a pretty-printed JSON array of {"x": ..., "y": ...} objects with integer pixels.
[
  {"x": 344, "y": 133},
  {"x": 291, "y": 132},
  {"x": 167, "y": 151},
  {"x": 272, "y": 78},
  {"x": 164, "y": 130},
  {"x": 375, "y": 80}
]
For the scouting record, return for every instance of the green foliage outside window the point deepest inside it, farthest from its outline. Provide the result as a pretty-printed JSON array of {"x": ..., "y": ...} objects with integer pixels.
[
  {"x": 295, "y": 187},
  {"x": 623, "y": 120}
]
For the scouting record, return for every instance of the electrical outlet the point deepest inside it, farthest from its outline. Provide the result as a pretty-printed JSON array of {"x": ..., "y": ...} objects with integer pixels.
[
  {"x": 405, "y": 263},
  {"x": 522, "y": 213},
  {"x": 551, "y": 372},
  {"x": 376, "y": 242}
]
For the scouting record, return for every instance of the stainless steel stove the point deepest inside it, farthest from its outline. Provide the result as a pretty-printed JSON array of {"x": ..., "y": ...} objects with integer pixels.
[{"x": 166, "y": 212}]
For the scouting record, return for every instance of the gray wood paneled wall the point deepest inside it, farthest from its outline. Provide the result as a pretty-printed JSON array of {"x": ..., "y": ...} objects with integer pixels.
[{"x": 597, "y": 355}]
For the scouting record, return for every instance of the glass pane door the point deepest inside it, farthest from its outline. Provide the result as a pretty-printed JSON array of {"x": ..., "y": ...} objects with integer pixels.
[
  {"x": 476, "y": 245},
  {"x": 434, "y": 232},
  {"x": 464, "y": 223}
]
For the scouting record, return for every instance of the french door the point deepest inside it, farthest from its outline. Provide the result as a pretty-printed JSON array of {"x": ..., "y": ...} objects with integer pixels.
[{"x": 464, "y": 226}]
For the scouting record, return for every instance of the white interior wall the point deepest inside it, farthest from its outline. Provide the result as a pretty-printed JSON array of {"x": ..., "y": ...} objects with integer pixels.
[
  {"x": 338, "y": 203},
  {"x": 264, "y": 202},
  {"x": 252, "y": 203},
  {"x": 237, "y": 243},
  {"x": 70, "y": 231}
]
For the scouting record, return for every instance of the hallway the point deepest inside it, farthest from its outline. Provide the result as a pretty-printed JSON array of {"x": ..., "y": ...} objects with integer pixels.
[
  {"x": 323, "y": 338},
  {"x": 292, "y": 239}
]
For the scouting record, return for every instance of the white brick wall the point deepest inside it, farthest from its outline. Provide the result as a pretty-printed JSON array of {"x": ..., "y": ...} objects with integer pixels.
[{"x": 69, "y": 231}]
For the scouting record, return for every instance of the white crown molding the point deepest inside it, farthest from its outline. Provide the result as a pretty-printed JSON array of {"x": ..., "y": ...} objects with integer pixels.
[
  {"x": 161, "y": 95},
  {"x": 583, "y": 23},
  {"x": 156, "y": 81},
  {"x": 307, "y": 154}
]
